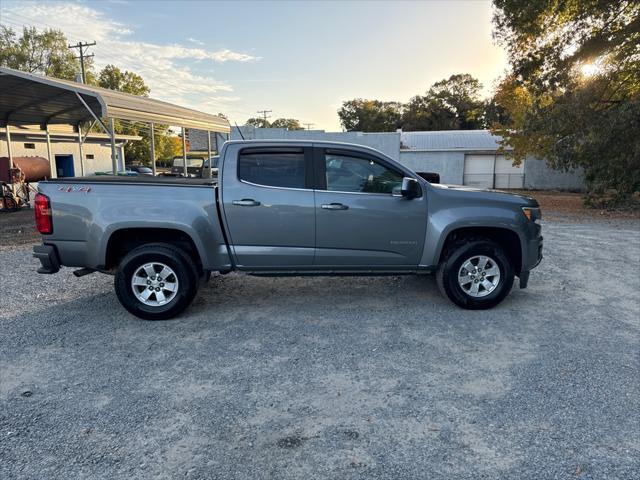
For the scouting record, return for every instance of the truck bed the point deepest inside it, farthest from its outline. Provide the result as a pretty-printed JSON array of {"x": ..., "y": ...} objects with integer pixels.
[{"x": 140, "y": 179}]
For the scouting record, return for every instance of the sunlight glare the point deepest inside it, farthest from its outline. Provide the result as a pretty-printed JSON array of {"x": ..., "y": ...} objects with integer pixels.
[{"x": 589, "y": 69}]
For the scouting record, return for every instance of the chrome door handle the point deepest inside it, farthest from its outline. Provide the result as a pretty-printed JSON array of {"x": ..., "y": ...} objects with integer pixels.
[
  {"x": 334, "y": 206},
  {"x": 246, "y": 202}
]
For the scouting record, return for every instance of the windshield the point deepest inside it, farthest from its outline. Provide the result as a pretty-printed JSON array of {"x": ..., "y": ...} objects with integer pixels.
[
  {"x": 191, "y": 162},
  {"x": 215, "y": 160}
]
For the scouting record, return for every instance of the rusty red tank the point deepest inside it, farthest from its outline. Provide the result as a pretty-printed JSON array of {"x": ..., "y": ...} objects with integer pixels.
[{"x": 33, "y": 168}]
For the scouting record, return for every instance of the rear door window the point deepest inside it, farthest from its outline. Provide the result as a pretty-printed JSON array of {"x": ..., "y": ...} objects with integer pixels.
[{"x": 273, "y": 168}]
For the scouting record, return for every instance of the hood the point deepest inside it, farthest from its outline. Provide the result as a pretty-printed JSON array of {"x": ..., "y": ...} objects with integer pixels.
[{"x": 488, "y": 193}]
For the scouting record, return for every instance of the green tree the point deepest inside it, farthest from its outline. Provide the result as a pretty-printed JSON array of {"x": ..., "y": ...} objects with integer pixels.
[
  {"x": 113, "y": 78},
  {"x": 137, "y": 152},
  {"x": 461, "y": 93},
  {"x": 258, "y": 122},
  {"x": 168, "y": 147},
  {"x": 289, "y": 123},
  {"x": 573, "y": 96},
  {"x": 370, "y": 115},
  {"x": 44, "y": 53},
  {"x": 450, "y": 104},
  {"x": 423, "y": 113}
]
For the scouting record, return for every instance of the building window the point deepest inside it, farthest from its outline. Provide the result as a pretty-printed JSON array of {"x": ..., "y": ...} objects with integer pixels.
[
  {"x": 89, "y": 156},
  {"x": 30, "y": 146}
]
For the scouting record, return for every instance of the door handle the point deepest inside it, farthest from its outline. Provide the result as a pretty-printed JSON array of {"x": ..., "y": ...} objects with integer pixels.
[
  {"x": 334, "y": 206},
  {"x": 246, "y": 202}
]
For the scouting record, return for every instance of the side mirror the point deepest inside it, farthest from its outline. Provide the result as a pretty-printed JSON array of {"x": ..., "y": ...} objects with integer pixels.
[{"x": 410, "y": 188}]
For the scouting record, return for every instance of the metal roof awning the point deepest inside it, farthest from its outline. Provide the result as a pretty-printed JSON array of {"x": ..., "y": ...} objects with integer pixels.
[
  {"x": 26, "y": 98},
  {"x": 55, "y": 135}
]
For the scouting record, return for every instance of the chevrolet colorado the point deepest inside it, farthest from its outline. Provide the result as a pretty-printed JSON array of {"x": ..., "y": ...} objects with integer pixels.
[{"x": 286, "y": 208}]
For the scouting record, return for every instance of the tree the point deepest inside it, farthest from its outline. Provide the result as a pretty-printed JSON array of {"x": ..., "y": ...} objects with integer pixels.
[
  {"x": 288, "y": 123},
  {"x": 424, "y": 113},
  {"x": 168, "y": 147},
  {"x": 573, "y": 95},
  {"x": 370, "y": 115},
  {"x": 113, "y": 78},
  {"x": 450, "y": 104},
  {"x": 44, "y": 53},
  {"x": 258, "y": 122}
]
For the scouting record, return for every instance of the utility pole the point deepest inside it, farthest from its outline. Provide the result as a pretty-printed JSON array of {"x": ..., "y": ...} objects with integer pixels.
[
  {"x": 264, "y": 115},
  {"x": 81, "y": 46},
  {"x": 309, "y": 125}
]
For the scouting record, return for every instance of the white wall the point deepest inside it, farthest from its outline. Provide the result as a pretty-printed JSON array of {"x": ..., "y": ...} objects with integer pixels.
[
  {"x": 450, "y": 165},
  {"x": 101, "y": 151}
]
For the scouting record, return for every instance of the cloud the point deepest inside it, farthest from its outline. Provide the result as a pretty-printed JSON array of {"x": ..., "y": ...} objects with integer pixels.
[
  {"x": 164, "y": 67},
  {"x": 195, "y": 40}
]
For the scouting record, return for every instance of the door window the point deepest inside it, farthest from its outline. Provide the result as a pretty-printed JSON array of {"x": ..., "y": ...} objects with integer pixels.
[
  {"x": 357, "y": 174},
  {"x": 273, "y": 168}
]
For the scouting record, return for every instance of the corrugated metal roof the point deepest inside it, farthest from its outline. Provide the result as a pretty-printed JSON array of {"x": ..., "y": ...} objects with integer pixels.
[
  {"x": 27, "y": 98},
  {"x": 29, "y": 132},
  {"x": 447, "y": 140}
]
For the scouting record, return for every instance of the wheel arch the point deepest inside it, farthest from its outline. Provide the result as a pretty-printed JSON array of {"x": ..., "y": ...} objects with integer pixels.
[
  {"x": 507, "y": 238},
  {"x": 123, "y": 240}
]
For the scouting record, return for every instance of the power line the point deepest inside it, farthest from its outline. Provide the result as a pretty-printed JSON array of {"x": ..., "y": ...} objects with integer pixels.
[
  {"x": 309, "y": 125},
  {"x": 81, "y": 46},
  {"x": 264, "y": 115}
]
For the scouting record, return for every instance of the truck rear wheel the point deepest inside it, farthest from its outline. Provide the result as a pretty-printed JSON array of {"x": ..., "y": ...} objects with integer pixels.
[
  {"x": 475, "y": 274},
  {"x": 156, "y": 281}
]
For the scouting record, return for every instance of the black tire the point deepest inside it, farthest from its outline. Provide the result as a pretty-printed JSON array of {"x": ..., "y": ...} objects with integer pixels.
[
  {"x": 176, "y": 259},
  {"x": 456, "y": 256}
]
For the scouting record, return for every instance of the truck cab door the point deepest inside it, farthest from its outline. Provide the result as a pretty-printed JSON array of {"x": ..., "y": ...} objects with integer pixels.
[
  {"x": 362, "y": 221},
  {"x": 269, "y": 207}
]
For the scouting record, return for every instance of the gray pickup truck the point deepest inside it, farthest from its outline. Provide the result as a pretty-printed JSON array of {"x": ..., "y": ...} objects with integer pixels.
[{"x": 286, "y": 208}]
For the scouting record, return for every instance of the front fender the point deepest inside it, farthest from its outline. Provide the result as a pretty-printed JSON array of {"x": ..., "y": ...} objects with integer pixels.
[{"x": 445, "y": 221}]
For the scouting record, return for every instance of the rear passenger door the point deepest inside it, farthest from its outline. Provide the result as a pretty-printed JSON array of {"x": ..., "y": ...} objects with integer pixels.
[{"x": 269, "y": 208}]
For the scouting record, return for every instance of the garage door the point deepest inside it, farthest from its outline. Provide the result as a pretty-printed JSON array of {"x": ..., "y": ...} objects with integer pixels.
[
  {"x": 492, "y": 171},
  {"x": 508, "y": 176},
  {"x": 478, "y": 170}
]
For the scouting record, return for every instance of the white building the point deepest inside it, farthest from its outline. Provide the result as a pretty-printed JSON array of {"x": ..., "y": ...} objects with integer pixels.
[
  {"x": 65, "y": 150},
  {"x": 473, "y": 157}
]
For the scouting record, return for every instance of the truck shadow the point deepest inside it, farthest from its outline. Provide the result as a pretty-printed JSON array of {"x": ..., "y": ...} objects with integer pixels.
[{"x": 240, "y": 298}]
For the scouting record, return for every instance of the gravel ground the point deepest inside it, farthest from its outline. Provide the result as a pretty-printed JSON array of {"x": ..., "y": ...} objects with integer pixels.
[{"x": 329, "y": 377}]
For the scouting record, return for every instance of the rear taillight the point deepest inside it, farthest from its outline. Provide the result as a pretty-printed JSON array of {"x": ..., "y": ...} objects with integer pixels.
[{"x": 43, "y": 214}]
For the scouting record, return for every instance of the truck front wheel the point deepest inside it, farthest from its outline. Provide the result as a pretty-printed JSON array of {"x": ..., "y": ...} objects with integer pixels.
[
  {"x": 156, "y": 281},
  {"x": 475, "y": 274}
]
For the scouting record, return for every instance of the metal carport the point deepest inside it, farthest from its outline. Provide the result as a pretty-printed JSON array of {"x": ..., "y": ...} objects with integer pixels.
[{"x": 28, "y": 99}]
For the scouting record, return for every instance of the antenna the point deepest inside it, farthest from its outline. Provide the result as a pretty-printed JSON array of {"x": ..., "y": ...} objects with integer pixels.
[{"x": 239, "y": 131}]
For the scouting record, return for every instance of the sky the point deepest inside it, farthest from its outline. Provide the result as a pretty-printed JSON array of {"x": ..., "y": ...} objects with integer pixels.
[{"x": 299, "y": 59}]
